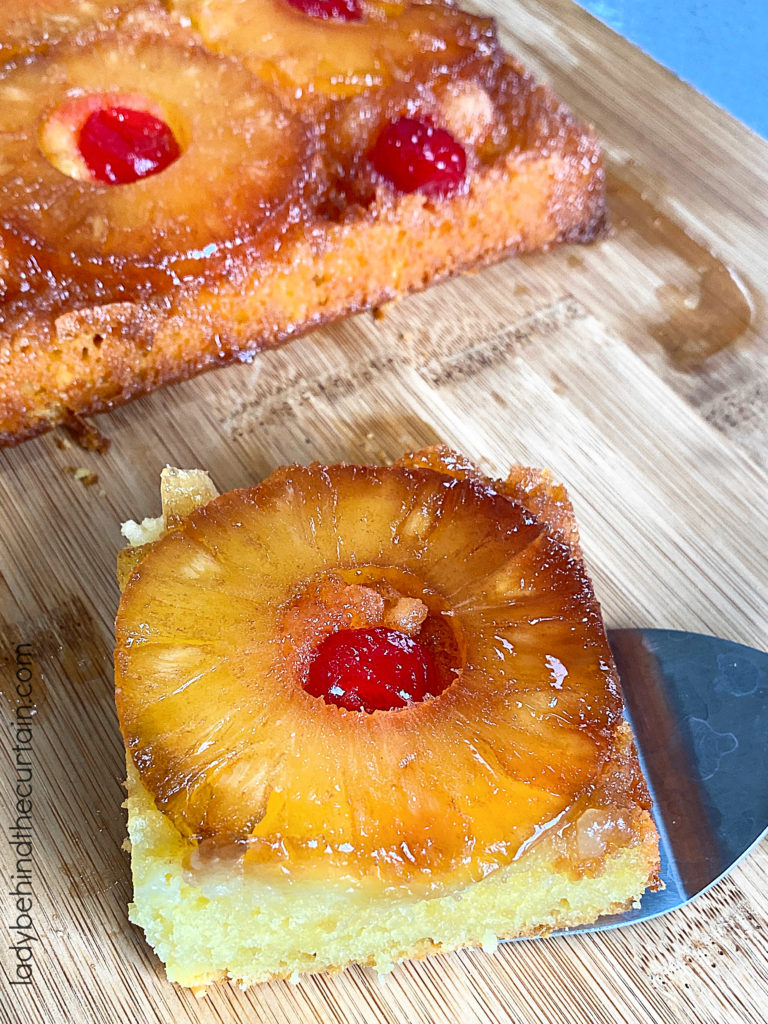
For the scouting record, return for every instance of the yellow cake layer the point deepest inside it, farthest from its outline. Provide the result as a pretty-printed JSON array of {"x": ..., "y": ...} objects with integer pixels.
[{"x": 223, "y": 925}]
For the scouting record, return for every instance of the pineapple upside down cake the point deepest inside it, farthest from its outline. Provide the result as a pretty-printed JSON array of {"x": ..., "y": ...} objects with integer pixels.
[
  {"x": 370, "y": 713},
  {"x": 184, "y": 184}
]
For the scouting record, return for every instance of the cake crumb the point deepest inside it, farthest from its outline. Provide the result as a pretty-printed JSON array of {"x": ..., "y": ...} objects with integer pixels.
[
  {"x": 86, "y": 476},
  {"x": 382, "y": 971},
  {"x": 383, "y": 311},
  {"x": 406, "y": 615},
  {"x": 86, "y": 435}
]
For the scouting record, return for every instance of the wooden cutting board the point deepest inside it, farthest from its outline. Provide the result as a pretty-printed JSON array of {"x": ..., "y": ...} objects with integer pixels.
[{"x": 636, "y": 369}]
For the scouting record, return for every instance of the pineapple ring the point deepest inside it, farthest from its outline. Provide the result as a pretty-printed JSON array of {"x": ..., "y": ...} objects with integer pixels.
[
  {"x": 337, "y": 59},
  {"x": 232, "y": 748},
  {"x": 172, "y": 226}
]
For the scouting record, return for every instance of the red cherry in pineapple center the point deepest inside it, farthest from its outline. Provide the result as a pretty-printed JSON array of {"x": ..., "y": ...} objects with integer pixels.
[
  {"x": 374, "y": 669},
  {"x": 338, "y": 10},
  {"x": 415, "y": 156},
  {"x": 120, "y": 145}
]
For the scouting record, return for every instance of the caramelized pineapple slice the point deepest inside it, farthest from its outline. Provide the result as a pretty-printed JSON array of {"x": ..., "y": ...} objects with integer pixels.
[
  {"x": 30, "y": 25},
  {"x": 535, "y": 489},
  {"x": 219, "y": 624},
  {"x": 291, "y": 46},
  {"x": 122, "y": 238}
]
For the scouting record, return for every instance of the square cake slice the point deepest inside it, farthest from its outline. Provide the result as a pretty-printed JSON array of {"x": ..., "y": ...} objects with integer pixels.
[{"x": 370, "y": 713}]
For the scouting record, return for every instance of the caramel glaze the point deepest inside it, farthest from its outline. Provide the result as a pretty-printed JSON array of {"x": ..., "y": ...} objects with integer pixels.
[
  {"x": 31, "y": 26},
  {"x": 700, "y": 323},
  {"x": 699, "y": 327},
  {"x": 615, "y": 813},
  {"x": 160, "y": 292}
]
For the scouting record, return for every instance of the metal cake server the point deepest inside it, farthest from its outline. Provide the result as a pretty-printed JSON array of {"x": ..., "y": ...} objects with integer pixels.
[{"x": 699, "y": 709}]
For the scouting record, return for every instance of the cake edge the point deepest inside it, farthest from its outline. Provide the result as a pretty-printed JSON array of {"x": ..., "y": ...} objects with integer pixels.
[{"x": 196, "y": 940}]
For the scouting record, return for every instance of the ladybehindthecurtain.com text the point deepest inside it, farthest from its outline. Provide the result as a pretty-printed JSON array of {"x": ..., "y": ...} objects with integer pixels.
[{"x": 20, "y": 831}]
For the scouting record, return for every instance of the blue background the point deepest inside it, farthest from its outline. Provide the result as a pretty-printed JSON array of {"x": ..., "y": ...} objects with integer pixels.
[{"x": 719, "y": 46}]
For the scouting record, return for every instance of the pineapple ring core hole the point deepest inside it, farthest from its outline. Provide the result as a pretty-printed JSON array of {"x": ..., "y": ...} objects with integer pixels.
[
  {"x": 60, "y": 130},
  {"x": 372, "y": 598}
]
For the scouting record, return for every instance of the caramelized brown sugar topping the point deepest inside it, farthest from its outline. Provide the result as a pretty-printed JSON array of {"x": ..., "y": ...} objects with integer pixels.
[
  {"x": 244, "y": 160},
  {"x": 314, "y": 59},
  {"x": 30, "y": 25},
  {"x": 219, "y": 624},
  {"x": 280, "y": 120}
]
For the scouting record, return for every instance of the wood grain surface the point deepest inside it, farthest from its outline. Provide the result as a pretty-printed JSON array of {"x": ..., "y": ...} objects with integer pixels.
[{"x": 636, "y": 369}]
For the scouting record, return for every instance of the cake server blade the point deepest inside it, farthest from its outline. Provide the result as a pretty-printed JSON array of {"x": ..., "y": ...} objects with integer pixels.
[{"x": 698, "y": 706}]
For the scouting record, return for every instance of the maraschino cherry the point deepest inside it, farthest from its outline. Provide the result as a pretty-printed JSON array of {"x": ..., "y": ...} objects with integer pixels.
[
  {"x": 338, "y": 10},
  {"x": 415, "y": 156},
  {"x": 120, "y": 145},
  {"x": 375, "y": 669}
]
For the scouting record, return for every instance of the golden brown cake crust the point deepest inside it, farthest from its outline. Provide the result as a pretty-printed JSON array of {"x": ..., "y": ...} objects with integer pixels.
[{"x": 79, "y": 336}]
